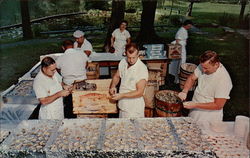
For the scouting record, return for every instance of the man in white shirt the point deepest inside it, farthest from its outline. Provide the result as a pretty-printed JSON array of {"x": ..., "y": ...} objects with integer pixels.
[
  {"x": 82, "y": 43},
  {"x": 72, "y": 66},
  {"x": 212, "y": 92},
  {"x": 49, "y": 91},
  {"x": 180, "y": 38},
  {"x": 133, "y": 74}
]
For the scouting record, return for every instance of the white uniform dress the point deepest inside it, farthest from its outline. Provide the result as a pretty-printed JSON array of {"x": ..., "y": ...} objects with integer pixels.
[
  {"x": 45, "y": 86},
  {"x": 120, "y": 41},
  {"x": 215, "y": 85},
  {"x": 73, "y": 65},
  {"x": 85, "y": 46},
  {"x": 174, "y": 66},
  {"x": 131, "y": 107}
]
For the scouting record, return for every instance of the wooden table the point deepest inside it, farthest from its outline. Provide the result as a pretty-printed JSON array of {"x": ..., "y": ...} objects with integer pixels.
[{"x": 111, "y": 60}]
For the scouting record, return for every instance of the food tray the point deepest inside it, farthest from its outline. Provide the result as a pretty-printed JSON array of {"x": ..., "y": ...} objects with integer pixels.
[
  {"x": 22, "y": 93},
  {"x": 120, "y": 135},
  {"x": 35, "y": 71},
  {"x": 4, "y": 133},
  {"x": 75, "y": 137},
  {"x": 156, "y": 135},
  {"x": 189, "y": 135},
  {"x": 29, "y": 139},
  {"x": 225, "y": 145}
]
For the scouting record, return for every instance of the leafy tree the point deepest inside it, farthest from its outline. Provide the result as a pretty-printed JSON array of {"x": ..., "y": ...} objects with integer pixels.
[
  {"x": 26, "y": 25},
  {"x": 147, "y": 32},
  {"x": 242, "y": 9},
  {"x": 118, "y": 8}
]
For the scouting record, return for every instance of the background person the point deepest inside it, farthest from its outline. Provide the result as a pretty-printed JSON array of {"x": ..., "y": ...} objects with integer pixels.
[
  {"x": 120, "y": 37},
  {"x": 49, "y": 91},
  {"x": 212, "y": 92},
  {"x": 72, "y": 66},
  {"x": 82, "y": 43},
  {"x": 180, "y": 38},
  {"x": 133, "y": 74}
]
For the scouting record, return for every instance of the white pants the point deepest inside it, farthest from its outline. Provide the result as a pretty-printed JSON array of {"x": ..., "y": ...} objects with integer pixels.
[
  {"x": 174, "y": 66},
  {"x": 131, "y": 107}
]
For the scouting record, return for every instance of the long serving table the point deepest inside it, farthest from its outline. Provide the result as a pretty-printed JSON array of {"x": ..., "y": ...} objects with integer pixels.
[{"x": 138, "y": 137}]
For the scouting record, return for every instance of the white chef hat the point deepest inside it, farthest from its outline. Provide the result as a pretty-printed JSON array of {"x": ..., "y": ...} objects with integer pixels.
[{"x": 78, "y": 34}]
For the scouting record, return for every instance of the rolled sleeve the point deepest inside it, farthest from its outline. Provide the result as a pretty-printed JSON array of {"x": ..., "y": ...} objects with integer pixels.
[
  {"x": 40, "y": 91},
  {"x": 223, "y": 89}
]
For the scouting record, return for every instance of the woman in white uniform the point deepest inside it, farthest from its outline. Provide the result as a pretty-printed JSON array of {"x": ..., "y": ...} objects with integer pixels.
[
  {"x": 133, "y": 74},
  {"x": 120, "y": 37},
  {"x": 180, "y": 38},
  {"x": 49, "y": 91}
]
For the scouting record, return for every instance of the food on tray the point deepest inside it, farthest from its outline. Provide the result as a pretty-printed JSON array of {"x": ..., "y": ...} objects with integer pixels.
[
  {"x": 228, "y": 146},
  {"x": 120, "y": 135},
  {"x": 190, "y": 135},
  {"x": 3, "y": 134},
  {"x": 33, "y": 139},
  {"x": 94, "y": 99},
  {"x": 77, "y": 137},
  {"x": 85, "y": 86},
  {"x": 23, "y": 88},
  {"x": 156, "y": 135}
]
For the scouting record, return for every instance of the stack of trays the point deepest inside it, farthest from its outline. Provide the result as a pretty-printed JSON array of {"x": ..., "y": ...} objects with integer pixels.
[{"x": 22, "y": 93}]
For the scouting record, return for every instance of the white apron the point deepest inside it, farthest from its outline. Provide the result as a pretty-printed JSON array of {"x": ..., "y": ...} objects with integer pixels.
[
  {"x": 204, "y": 94},
  {"x": 53, "y": 110},
  {"x": 130, "y": 107},
  {"x": 175, "y": 64}
]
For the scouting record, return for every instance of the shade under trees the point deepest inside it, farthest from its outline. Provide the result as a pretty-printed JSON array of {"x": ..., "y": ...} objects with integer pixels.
[
  {"x": 147, "y": 32},
  {"x": 26, "y": 25},
  {"x": 117, "y": 15}
]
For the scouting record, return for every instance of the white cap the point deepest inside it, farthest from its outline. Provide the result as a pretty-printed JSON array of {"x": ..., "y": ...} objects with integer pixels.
[{"x": 78, "y": 34}]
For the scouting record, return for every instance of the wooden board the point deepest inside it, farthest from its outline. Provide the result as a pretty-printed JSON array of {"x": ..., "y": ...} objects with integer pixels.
[{"x": 93, "y": 102}]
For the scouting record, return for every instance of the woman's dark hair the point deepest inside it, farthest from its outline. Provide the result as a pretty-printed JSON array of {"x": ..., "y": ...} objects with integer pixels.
[
  {"x": 210, "y": 55},
  {"x": 188, "y": 22},
  {"x": 124, "y": 21},
  {"x": 47, "y": 61}
]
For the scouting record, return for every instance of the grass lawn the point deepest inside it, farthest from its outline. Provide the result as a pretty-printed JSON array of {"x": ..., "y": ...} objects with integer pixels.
[{"x": 233, "y": 49}]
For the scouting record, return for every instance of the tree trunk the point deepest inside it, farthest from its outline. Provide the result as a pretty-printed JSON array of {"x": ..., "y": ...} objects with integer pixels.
[
  {"x": 242, "y": 10},
  {"x": 117, "y": 15},
  {"x": 26, "y": 25},
  {"x": 147, "y": 32},
  {"x": 190, "y": 8}
]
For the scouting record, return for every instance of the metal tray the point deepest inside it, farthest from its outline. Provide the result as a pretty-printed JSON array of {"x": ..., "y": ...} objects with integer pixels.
[
  {"x": 35, "y": 71},
  {"x": 22, "y": 93},
  {"x": 189, "y": 134},
  {"x": 75, "y": 137},
  {"x": 29, "y": 138},
  {"x": 120, "y": 135},
  {"x": 156, "y": 135}
]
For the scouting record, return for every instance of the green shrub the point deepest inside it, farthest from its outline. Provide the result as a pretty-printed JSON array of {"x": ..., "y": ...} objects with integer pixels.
[{"x": 176, "y": 20}]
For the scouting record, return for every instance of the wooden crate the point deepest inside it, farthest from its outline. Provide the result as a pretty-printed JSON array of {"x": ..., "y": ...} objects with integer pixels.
[
  {"x": 174, "y": 51},
  {"x": 101, "y": 84},
  {"x": 93, "y": 102},
  {"x": 162, "y": 67},
  {"x": 93, "y": 71}
]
